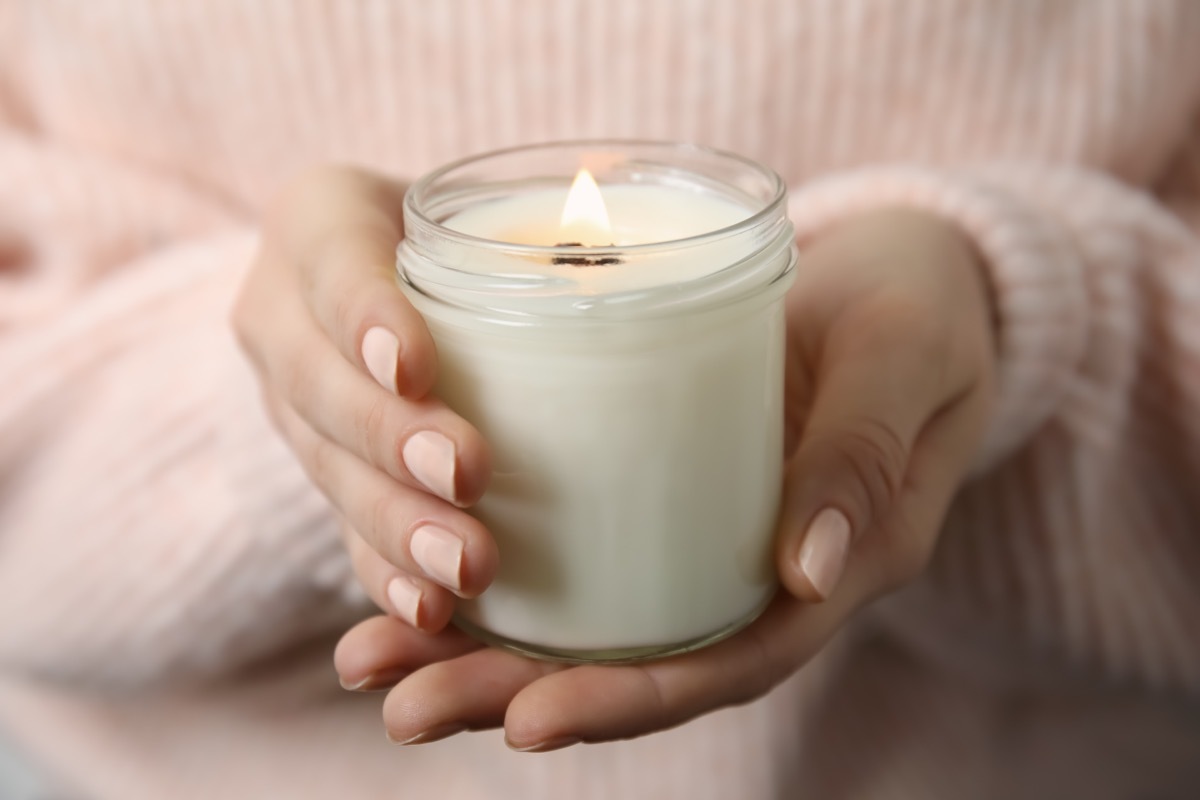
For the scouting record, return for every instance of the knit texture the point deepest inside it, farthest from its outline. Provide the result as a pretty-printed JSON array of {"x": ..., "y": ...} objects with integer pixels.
[{"x": 158, "y": 541}]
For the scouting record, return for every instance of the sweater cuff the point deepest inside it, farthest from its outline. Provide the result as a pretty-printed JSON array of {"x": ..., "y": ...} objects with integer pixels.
[{"x": 1035, "y": 272}]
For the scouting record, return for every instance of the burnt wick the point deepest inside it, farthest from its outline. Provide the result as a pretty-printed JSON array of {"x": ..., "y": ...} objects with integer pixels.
[{"x": 583, "y": 261}]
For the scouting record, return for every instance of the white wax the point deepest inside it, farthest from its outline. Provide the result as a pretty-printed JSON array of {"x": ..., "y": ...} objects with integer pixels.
[
  {"x": 639, "y": 215},
  {"x": 637, "y": 463}
]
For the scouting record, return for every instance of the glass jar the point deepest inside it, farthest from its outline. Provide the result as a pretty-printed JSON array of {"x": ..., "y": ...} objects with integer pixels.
[{"x": 632, "y": 393}]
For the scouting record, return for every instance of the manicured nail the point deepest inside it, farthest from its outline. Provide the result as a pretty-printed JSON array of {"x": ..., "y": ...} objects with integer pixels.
[
  {"x": 557, "y": 743},
  {"x": 823, "y": 554},
  {"x": 381, "y": 354},
  {"x": 360, "y": 686},
  {"x": 384, "y": 679},
  {"x": 429, "y": 457},
  {"x": 405, "y": 596},
  {"x": 432, "y": 735},
  {"x": 440, "y": 554}
]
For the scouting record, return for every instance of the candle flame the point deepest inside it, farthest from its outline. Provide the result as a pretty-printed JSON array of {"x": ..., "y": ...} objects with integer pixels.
[{"x": 585, "y": 217}]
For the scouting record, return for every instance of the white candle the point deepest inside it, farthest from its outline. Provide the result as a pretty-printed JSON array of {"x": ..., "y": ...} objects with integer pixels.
[{"x": 634, "y": 409}]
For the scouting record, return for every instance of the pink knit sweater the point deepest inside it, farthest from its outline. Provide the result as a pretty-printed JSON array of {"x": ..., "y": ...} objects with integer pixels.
[{"x": 169, "y": 582}]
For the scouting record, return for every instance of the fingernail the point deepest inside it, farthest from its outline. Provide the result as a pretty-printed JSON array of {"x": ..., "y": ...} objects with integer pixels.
[
  {"x": 432, "y": 735},
  {"x": 405, "y": 596},
  {"x": 384, "y": 679},
  {"x": 429, "y": 457},
  {"x": 823, "y": 554},
  {"x": 557, "y": 743},
  {"x": 440, "y": 554},
  {"x": 381, "y": 353}
]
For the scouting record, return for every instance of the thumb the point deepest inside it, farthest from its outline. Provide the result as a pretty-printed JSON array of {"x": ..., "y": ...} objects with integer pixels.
[{"x": 851, "y": 462}]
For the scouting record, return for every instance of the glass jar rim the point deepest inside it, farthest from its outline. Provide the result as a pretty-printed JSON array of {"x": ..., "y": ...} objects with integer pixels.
[{"x": 418, "y": 191}]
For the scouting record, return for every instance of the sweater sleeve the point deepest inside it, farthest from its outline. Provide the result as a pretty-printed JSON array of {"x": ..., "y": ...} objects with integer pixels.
[
  {"x": 1075, "y": 539},
  {"x": 1074, "y": 258},
  {"x": 152, "y": 525}
]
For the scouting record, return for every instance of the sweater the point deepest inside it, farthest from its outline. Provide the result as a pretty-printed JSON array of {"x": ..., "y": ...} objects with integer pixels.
[{"x": 171, "y": 584}]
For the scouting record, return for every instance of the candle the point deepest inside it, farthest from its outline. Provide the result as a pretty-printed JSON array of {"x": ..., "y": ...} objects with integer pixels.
[{"x": 623, "y": 354}]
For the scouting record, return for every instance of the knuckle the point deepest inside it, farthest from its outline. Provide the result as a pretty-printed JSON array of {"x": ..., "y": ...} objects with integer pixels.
[
  {"x": 876, "y": 457},
  {"x": 371, "y": 431},
  {"x": 342, "y": 299},
  {"x": 345, "y": 314},
  {"x": 383, "y": 514}
]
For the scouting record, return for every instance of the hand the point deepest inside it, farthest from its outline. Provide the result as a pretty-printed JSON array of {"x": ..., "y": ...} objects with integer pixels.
[
  {"x": 890, "y": 375},
  {"x": 346, "y": 366}
]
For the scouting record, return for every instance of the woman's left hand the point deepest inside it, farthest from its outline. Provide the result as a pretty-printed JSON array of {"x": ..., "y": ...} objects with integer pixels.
[{"x": 889, "y": 381}]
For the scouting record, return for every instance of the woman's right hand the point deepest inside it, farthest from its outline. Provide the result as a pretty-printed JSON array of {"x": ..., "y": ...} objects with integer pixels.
[{"x": 346, "y": 366}]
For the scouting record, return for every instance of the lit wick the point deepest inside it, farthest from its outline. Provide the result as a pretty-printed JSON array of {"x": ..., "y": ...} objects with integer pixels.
[
  {"x": 583, "y": 261},
  {"x": 585, "y": 218}
]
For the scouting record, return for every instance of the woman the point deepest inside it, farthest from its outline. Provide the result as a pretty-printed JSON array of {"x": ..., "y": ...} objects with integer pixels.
[{"x": 171, "y": 579}]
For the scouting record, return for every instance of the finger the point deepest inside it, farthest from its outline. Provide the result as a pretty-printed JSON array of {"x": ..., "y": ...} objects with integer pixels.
[
  {"x": 546, "y": 706},
  {"x": 378, "y": 652},
  {"x": 411, "y": 529},
  {"x": 875, "y": 391},
  {"x": 342, "y": 228},
  {"x": 413, "y": 599},
  {"x": 602, "y": 703},
  {"x": 419, "y": 442},
  {"x": 470, "y": 692}
]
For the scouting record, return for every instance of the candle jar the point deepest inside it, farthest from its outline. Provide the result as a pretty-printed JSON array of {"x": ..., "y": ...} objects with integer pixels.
[{"x": 632, "y": 393}]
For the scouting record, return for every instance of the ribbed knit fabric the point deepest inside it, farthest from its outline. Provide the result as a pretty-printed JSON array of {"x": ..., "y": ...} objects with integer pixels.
[{"x": 168, "y": 579}]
